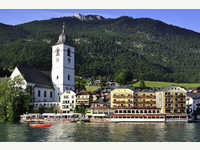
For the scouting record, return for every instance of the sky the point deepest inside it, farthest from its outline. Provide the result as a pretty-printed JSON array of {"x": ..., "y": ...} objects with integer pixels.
[{"x": 185, "y": 18}]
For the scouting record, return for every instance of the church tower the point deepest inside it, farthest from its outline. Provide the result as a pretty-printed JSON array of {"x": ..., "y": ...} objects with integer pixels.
[{"x": 62, "y": 72}]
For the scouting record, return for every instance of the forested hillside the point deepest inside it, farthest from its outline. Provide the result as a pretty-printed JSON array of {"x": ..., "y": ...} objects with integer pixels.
[{"x": 140, "y": 48}]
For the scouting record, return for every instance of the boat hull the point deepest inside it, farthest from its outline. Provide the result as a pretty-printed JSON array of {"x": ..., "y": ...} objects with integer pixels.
[{"x": 39, "y": 125}]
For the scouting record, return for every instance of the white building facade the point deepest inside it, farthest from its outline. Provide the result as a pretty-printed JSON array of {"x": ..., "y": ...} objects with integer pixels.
[
  {"x": 68, "y": 101},
  {"x": 63, "y": 69},
  {"x": 48, "y": 86}
]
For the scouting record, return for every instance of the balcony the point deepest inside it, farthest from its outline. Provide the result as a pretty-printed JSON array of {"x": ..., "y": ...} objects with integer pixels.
[
  {"x": 181, "y": 101},
  {"x": 169, "y": 95},
  {"x": 79, "y": 98},
  {"x": 123, "y": 101},
  {"x": 104, "y": 107},
  {"x": 169, "y": 107},
  {"x": 122, "y": 96},
  {"x": 144, "y": 96},
  {"x": 181, "y": 107},
  {"x": 180, "y": 95},
  {"x": 146, "y": 102},
  {"x": 123, "y": 107},
  {"x": 117, "y": 102},
  {"x": 84, "y": 103}
]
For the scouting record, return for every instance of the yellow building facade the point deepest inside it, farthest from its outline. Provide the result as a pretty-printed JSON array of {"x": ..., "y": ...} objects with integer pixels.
[
  {"x": 172, "y": 100},
  {"x": 145, "y": 100},
  {"x": 122, "y": 98}
]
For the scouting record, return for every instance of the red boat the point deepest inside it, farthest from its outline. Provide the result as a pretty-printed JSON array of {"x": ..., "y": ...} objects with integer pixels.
[{"x": 39, "y": 125}]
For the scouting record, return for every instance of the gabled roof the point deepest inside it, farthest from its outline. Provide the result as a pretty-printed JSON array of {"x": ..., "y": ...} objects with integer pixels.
[{"x": 35, "y": 76}]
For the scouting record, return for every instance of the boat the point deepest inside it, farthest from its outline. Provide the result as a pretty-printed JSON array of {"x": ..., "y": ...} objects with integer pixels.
[{"x": 40, "y": 125}]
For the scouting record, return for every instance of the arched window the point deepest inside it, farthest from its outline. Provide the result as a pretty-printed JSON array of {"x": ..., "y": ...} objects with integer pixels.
[
  {"x": 68, "y": 52},
  {"x": 51, "y": 94},
  {"x": 57, "y": 52},
  {"x": 38, "y": 93},
  {"x": 68, "y": 77},
  {"x": 45, "y": 93},
  {"x": 57, "y": 77}
]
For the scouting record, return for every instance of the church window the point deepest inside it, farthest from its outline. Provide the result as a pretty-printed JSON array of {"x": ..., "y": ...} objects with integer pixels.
[
  {"x": 51, "y": 94},
  {"x": 45, "y": 93},
  {"x": 68, "y": 52},
  {"x": 38, "y": 93},
  {"x": 68, "y": 77},
  {"x": 57, "y": 52}
]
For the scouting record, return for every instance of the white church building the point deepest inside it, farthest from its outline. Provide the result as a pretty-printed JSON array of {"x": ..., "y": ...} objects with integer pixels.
[{"x": 47, "y": 86}]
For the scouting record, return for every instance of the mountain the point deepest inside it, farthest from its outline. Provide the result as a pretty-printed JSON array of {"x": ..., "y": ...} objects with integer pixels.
[
  {"x": 11, "y": 33},
  {"x": 88, "y": 17},
  {"x": 142, "y": 48}
]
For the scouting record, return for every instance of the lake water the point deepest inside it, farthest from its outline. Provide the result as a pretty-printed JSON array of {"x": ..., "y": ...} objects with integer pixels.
[{"x": 102, "y": 132}]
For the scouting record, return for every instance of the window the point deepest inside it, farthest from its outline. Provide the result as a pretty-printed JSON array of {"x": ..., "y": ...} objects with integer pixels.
[
  {"x": 69, "y": 60},
  {"x": 57, "y": 77},
  {"x": 66, "y": 96},
  {"x": 57, "y": 52},
  {"x": 68, "y": 77},
  {"x": 51, "y": 94},
  {"x": 38, "y": 93},
  {"x": 45, "y": 93},
  {"x": 68, "y": 52}
]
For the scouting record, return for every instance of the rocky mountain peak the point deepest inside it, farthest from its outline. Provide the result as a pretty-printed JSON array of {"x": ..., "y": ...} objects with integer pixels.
[{"x": 88, "y": 17}]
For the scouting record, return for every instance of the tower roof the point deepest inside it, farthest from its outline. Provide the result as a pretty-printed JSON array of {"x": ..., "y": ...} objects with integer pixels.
[{"x": 62, "y": 37}]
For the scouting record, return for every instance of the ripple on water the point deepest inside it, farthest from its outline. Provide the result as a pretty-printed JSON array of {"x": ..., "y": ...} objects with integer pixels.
[{"x": 102, "y": 132}]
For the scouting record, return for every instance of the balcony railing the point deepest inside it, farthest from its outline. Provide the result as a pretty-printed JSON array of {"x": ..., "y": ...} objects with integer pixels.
[
  {"x": 79, "y": 98},
  {"x": 181, "y": 107},
  {"x": 146, "y": 102},
  {"x": 169, "y": 107},
  {"x": 144, "y": 96},
  {"x": 181, "y": 101},
  {"x": 85, "y": 103},
  {"x": 122, "y": 96},
  {"x": 123, "y": 102},
  {"x": 173, "y": 95}
]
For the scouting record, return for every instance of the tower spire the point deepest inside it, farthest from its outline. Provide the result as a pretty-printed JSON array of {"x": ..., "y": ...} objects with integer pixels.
[
  {"x": 63, "y": 28},
  {"x": 62, "y": 37}
]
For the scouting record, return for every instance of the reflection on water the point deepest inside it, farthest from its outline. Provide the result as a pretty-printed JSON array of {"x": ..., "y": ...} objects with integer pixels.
[{"x": 102, "y": 132}]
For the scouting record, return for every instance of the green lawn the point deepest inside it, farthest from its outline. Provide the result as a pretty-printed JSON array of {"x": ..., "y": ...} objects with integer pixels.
[
  {"x": 92, "y": 88},
  {"x": 164, "y": 84}
]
